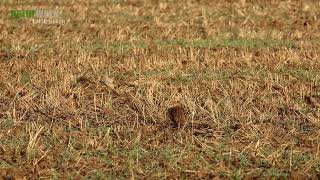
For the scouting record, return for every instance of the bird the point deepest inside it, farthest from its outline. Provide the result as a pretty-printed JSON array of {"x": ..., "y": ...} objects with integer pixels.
[{"x": 177, "y": 116}]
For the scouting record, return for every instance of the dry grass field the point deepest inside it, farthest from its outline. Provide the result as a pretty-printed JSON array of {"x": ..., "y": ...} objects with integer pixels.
[{"x": 161, "y": 89}]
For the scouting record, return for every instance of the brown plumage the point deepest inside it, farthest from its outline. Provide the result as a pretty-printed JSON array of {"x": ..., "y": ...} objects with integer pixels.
[{"x": 177, "y": 116}]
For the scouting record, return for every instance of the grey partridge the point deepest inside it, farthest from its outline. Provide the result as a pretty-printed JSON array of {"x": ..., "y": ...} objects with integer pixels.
[{"x": 177, "y": 116}]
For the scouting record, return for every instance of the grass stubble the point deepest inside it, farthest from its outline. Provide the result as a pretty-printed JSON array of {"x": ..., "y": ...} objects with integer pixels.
[{"x": 161, "y": 89}]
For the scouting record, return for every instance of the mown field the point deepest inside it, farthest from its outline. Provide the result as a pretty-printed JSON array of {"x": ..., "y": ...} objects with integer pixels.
[{"x": 91, "y": 98}]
